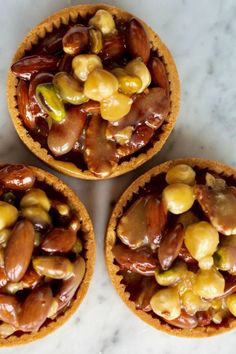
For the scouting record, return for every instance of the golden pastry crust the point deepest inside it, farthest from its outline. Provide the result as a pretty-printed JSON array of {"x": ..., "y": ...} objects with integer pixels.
[
  {"x": 63, "y": 17},
  {"x": 90, "y": 255},
  {"x": 214, "y": 166}
]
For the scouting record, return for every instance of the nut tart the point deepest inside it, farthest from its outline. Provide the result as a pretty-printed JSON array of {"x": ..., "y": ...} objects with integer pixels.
[
  {"x": 93, "y": 91},
  {"x": 47, "y": 253},
  {"x": 171, "y": 247}
]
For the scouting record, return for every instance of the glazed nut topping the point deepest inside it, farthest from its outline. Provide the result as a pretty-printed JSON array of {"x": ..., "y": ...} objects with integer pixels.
[
  {"x": 97, "y": 69},
  {"x": 41, "y": 246},
  {"x": 179, "y": 233}
]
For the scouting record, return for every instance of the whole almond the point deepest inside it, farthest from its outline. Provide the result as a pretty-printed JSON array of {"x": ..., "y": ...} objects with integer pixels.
[
  {"x": 35, "y": 309},
  {"x": 75, "y": 40},
  {"x": 17, "y": 177},
  {"x": 19, "y": 250},
  {"x": 113, "y": 47},
  {"x": 26, "y": 67},
  {"x": 59, "y": 240},
  {"x": 70, "y": 285},
  {"x": 55, "y": 267},
  {"x": 9, "y": 309},
  {"x": 137, "y": 40},
  {"x": 158, "y": 73},
  {"x": 170, "y": 246}
]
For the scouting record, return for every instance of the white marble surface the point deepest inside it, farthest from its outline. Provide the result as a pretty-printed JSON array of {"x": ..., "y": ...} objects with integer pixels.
[{"x": 202, "y": 36}]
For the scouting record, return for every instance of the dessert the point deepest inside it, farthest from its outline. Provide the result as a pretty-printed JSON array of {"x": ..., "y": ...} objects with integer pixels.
[
  {"x": 47, "y": 253},
  {"x": 170, "y": 247},
  {"x": 93, "y": 91}
]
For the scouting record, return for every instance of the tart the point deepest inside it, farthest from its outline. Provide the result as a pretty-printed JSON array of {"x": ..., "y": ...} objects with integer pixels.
[
  {"x": 47, "y": 253},
  {"x": 170, "y": 247},
  {"x": 93, "y": 91}
]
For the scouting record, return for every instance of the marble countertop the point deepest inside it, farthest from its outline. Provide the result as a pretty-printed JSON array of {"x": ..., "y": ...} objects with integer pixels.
[{"x": 201, "y": 35}]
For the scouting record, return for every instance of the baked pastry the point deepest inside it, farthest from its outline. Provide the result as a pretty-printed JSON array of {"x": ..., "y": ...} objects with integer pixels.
[
  {"x": 47, "y": 253},
  {"x": 170, "y": 247},
  {"x": 93, "y": 91}
]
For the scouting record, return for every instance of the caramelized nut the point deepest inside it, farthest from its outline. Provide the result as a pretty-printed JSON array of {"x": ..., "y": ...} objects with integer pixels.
[
  {"x": 8, "y": 216},
  {"x": 84, "y": 64},
  {"x": 201, "y": 239},
  {"x": 141, "y": 261},
  {"x": 147, "y": 288},
  {"x": 59, "y": 240},
  {"x": 219, "y": 206},
  {"x": 35, "y": 309},
  {"x": 158, "y": 73},
  {"x": 100, "y": 154},
  {"x": 113, "y": 47},
  {"x": 209, "y": 283},
  {"x": 104, "y": 21},
  {"x": 50, "y": 101},
  {"x": 96, "y": 40},
  {"x": 75, "y": 40},
  {"x": 173, "y": 275},
  {"x": 181, "y": 174},
  {"x": 137, "y": 40},
  {"x": 38, "y": 217},
  {"x": 178, "y": 198},
  {"x": 22, "y": 97},
  {"x": 151, "y": 108},
  {"x": 17, "y": 177},
  {"x": 70, "y": 285},
  {"x": 9, "y": 309},
  {"x": 55, "y": 267},
  {"x": 69, "y": 89},
  {"x": 35, "y": 196},
  {"x": 142, "y": 223},
  {"x": 137, "y": 68},
  {"x": 170, "y": 246},
  {"x": 128, "y": 84},
  {"x": 100, "y": 84},
  {"x": 19, "y": 250},
  {"x": 115, "y": 106},
  {"x": 184, "y": 321},
  {"x": 63, "y": 135},
  {"x": 166, "y": 303},
  {"x": 26, "y": 67}
]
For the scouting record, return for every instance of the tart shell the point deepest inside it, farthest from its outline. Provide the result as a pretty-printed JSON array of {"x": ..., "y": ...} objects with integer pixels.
[
  {"x": 113, "y": 269},
  {"x": 64, "y": 17},
  {"x": 90, "y": 254}
]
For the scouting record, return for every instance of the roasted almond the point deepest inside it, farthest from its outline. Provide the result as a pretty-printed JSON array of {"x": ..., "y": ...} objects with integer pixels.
[
  {"x": 59, "y": 240},
  {"x": 19, "y": 250},
  {"x": 23, "y": 105},
  {"x": 70, "y": 285},
  {"x": 141, "y": 261},
  {"x": 158, "y": 74},
  {"x": 137, "y": 40},
  {"x": 35, "y": 309},
  {"x": 26, "y": 67},
  {"x": 9, "y": 309},
  {"x": 170, "y": 246},
  {"x": 55, "y": 267},
  {"x": 100, "y": 154},
  {"x": 219, "y": 206},
  {"x": 63, "y": 135},
  {"x": 17, "y": 177}
]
